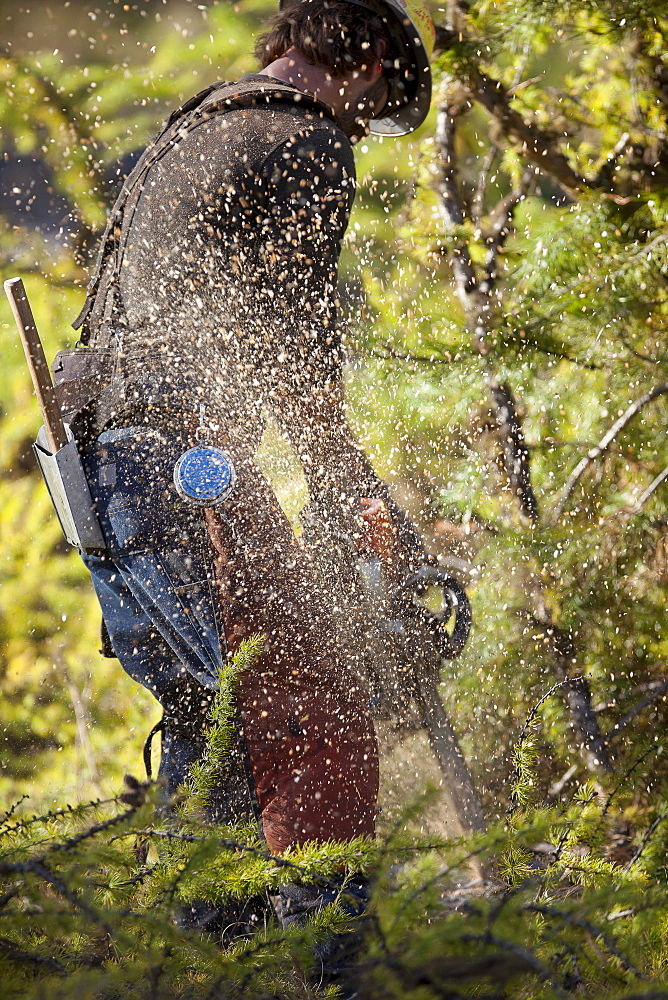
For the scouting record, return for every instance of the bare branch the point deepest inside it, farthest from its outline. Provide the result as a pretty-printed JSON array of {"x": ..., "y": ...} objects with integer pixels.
[
  {"x": 648, "y": 492},
  {"x": 515, "y": 452},
  {"x": 603, "y": 446},
  {"x": 502, "y": 223},
  {"x": 606, "y": 171},
  {"x": 661, "y": 688}
]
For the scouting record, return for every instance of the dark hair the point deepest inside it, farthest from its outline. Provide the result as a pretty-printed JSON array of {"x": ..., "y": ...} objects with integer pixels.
[{"x": 332, "y": 33}]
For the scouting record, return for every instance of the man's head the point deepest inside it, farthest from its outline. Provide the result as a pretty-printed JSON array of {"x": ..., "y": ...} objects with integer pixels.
[{"x": 380, "y": 39}]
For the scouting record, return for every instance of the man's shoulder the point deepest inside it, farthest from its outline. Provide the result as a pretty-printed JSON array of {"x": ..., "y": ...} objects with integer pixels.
[{"x": 295, "y": 110}]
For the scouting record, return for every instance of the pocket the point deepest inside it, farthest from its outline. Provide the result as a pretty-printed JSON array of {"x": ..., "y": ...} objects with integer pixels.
[{"x": 131, "y": 476}]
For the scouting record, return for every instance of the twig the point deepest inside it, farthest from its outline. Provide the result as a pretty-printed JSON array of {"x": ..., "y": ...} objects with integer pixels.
[
  {"x": 501, "y": 222},
  {"x": 648, "y": 492},
  {"x": 533, "y": 345},
  {"x": 478, "y": 201},
  {"x": 395, "y": 354},
  {"x": 524, "y": 732},
  {"x": 555, "y": 790},
  {"x": 646, "y": 839},
  {"x": 573, "y": 918},
  {"x": 605, "y": 174},
  {"x": 602, "y": 447},
  {"x": 92, "y": 831},
  {"x": 12, "y": 809},
  {"x": 57, "y": 813},
  {"x": 630, "y": 716}
]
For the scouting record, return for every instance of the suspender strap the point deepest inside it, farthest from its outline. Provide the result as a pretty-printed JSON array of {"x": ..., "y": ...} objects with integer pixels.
[{"x": 102, "y": 311}]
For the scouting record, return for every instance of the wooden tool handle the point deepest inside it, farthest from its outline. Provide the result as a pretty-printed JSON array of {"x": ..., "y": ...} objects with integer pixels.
[{"x": 39, "y": 370}]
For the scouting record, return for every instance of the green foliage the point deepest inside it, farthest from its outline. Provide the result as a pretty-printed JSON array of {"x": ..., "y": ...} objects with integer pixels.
[
  {"x": 220, "y": 735},
  {"x": 85, "y": 917}
]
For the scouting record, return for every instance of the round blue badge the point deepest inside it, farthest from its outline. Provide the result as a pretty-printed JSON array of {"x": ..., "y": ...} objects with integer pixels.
[{"x": 204, "y": 476}]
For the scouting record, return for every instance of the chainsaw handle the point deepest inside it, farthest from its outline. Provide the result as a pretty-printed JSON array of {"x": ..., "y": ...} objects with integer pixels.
[{"x": 454, "y": 600}]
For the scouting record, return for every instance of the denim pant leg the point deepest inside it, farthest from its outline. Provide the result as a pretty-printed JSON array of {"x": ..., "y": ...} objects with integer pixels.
[
  {"x": 158, "y": 597},
  {"x": 148, "y": 659}
]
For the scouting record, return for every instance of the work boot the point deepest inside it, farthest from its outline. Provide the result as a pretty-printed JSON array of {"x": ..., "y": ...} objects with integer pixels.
[
  {"x": 335, "y": 955},
  {"x": 294, "y": 904},
  {"x": 226, "y": 922}
]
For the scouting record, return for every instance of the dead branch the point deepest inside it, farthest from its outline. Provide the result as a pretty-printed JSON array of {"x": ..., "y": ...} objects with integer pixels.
[
  {"x": 577, "y": 695},
  {"x": 515, "y": 451},
  {"x": 648, "y": 492},
  {"x": 501, "y": 223},
  {"x": 603, "y": 446},
  {"x": 661, "y": 688}
]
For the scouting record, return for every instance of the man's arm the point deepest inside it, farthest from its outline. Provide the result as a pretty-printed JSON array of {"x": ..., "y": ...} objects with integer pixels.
[{"x": 310, "y": 194}]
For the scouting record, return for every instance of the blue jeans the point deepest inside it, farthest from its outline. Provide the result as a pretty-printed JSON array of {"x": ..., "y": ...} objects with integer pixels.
[{"x": 157, "y": 591}]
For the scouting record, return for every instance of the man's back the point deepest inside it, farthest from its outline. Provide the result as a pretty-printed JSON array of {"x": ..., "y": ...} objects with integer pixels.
[{"x": 233, "y": 246}]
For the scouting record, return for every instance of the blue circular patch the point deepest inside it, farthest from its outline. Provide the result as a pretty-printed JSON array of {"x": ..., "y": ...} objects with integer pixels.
[{"x": 204, "y": 476}]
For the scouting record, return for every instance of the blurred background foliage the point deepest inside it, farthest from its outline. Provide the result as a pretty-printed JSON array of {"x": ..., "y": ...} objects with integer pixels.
[{"x": 574, "y": 312}]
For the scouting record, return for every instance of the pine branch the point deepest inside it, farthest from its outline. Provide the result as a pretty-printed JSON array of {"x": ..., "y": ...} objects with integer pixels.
[
  {"x": 41, "y": 871},
  {"x": 232, "y": 845},
  {"x": 11, "y": 951},
  {"x": 649, "y": 833},
  {"x": 522, "y": 954},
  {"x": 576, "y": 920},
  {"x": 221, "y": 735},
  {"x": 56, "y": 814}
]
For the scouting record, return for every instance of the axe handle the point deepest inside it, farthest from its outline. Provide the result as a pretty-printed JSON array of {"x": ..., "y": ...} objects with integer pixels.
[{"x": 39, "y": 370}]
